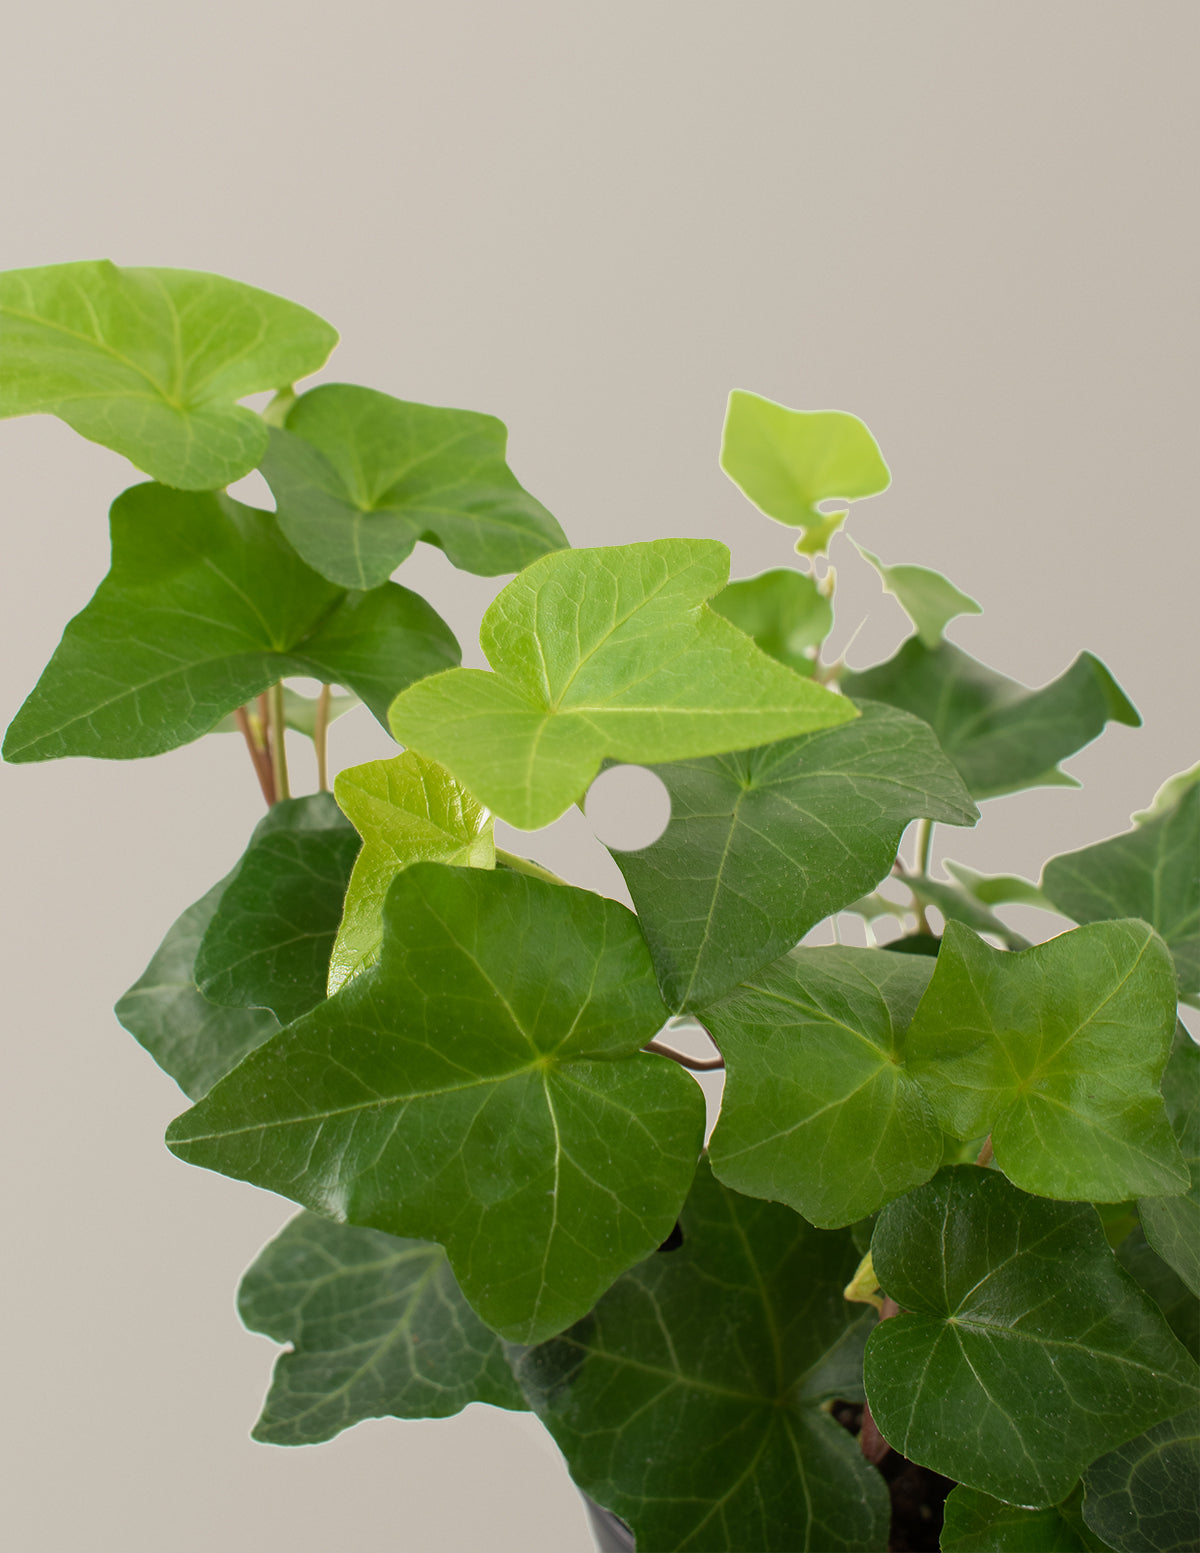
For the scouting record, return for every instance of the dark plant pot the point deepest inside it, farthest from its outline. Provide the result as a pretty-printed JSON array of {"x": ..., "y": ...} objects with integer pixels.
[{"x": 610, "y": 1531}]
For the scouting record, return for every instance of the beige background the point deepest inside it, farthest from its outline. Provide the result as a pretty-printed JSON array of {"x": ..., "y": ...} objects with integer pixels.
[{"x": 971, "y": 224}]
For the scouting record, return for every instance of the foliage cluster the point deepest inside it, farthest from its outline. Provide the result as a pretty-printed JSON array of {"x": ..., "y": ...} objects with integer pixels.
[{"x": 956, "y": 1175}]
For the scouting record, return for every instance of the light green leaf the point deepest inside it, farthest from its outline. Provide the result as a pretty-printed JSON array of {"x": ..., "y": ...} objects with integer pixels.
[
  {"x": 998, "y": 889},
  {"x": 299, "y": 712},
  {"x": 1144, "y": 1497},
  {"x": 482, "y": 1086},
  {"x": 818, "y": 1111},
  {"x": 377, "y": 1327},
  {"x": 977, "y": 1523},
  {"x": 604, "y": 653},
  {"x": 206, "y": 605},
  {"x": 1024, "y": 1350},
  {"x": 786, "y": 461},
  {"x": 269, "y": 941},
  {"x": 930, "y": 600},
  {"x": 1152, "y": 872},
  {"x": 689, "y": 1402},
  {"x": 1172, "y": 1224},
  {"x": 763, "y": 845},
  {"x": 407, "y": 810},
  {"x": 359, "y": 477},
  {"x": 1169, "y": 795},
  {"x": 784, "y": 611},
  {"x": 1057, "y": 1051},
  {"x": 1000, "y": 735},
  {"x": 152, "y": 362}
]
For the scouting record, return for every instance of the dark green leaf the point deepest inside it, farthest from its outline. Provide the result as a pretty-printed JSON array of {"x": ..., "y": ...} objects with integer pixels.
[
  {"x": 763, "y": 845},
  {"x": 930, "y": 600},
  {"x": 1000, "y": 735},
  {"x": 1025, "y": 1350},
  {"x": 152, "y": 362},
  {"x": 818, "y": 1111},
  {"x": 1164, "y": 1286},
  {"x": 784, "y": 611},
  {"x": 205, "y": 606},
  {"x": 1144, "y": 1497},
  {"x": 378, "y": 1329},
  {"x": 1172, "y": 1224},
  {"x": 690, "y": 1400},
  {"x": 977, "y": 1523},
  {"x": 359, "y": 477},
  {"x": 1152, "y": 872},
  {"x": 191, "y": 1039},
  {"x": 1058, "y": 1052},
  {"x": 269, "y": 941},
  {"x": 606, "y": 653},
  {"x": 483, "y": 1086}
]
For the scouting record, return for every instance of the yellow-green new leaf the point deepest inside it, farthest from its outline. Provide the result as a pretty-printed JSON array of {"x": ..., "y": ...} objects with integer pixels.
[
  {"x": 606, "y": 653},
  {"x": 152, "y": 362}
]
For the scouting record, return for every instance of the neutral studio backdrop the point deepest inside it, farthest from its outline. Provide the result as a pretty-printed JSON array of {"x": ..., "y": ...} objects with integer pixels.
[{"x": 972, "y": 225}]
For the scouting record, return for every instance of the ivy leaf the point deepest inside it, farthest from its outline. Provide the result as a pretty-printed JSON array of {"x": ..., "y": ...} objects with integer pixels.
[
  {"x": 1144, "y": 1497},
  {"x": 1172, "y": 1224},
  {"x": 1152, "y": 872},
  {"x": 1001, "y": 736},
  {"x": 1168, "y": 795},
  {"x": 1057, "y": 1051},
  {"x": 818, "y": 1110},
  {"x": 977, "y": 1523},
  {"x": 378, "y": 1329},
  {"x": 482, "y": 1086},
  {"x": 152, "y": 362},
  {"x": 407, "y": 810},
  {"x": 763, "y": 845},
  {"x": 604, "y": 653},
  {"x": 166, "y": 1013},
  {"x": 1025, "y": 1351},
  {"x": 269, "y": 941},
  {"x": 783, "y": 611},
  {"x": 998, "y": 889},
  {"x": 710, "y": 1363},
  {"x": 959, "y": 905},
  {"x": 786, "y": 461},
  {"x": 1164, "y": 1286},
  {"x": 930, "y": 600},
  {"x": 299, "y": 713},
  {"x": 206, "y": 605},
  {"x": 359, "y": 477}
]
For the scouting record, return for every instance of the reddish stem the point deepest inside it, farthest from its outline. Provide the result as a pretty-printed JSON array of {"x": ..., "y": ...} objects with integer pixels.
[
  {"x": 870, "y": 1442},
  {"x": 258, "y": 755}
]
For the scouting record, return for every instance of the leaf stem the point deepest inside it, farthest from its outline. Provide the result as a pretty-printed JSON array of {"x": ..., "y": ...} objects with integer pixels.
[
  {"x": 870, "y": 1442},
  {"x": 696, "y": 1064},
  {"x": 985, "y": 1154},
  {"x": 525, "y": 865},
  {"x": 278, "y": 747},
  {"x": 259, "y": 757},
  {"x": 924, "y": 848},
  {"x": 321, "y": 738}
]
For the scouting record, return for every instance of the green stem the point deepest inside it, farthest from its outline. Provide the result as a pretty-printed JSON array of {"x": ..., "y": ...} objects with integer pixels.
[
  {"x": 278, "y": 746},
  {"x": 276, "y": 412},
  {"x": 321, "y": 739},
  {"x": 924, "y": 848},
  {"x": 525, "y": 865}
]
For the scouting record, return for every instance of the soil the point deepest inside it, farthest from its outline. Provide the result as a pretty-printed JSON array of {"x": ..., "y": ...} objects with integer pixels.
[{"x": 917, "y": 1493}]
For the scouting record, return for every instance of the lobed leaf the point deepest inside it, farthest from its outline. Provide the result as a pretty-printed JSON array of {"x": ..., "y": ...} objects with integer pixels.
[
  {"x": 818, "y": 1111},
  {"x": 152, "y": 362},
  {"x": 1057, "y": 1051},
  {"x": 977, "y": 1523},
  {"x": 783, "y": 611},
  {"x": 360, "y": 477},
  {"x": 378, "y": 1329},
  {"x": 690, "y": 1400},
  {"x": 1001, "y": 736},
  {"x": 205, "y": 606},
  {"x": 930, "y": 600},
  {"x": 482, "y": 1086},
  {"x": 1172, "y": 1224},
  {"x": 763, "y": 845},
  {"x": 606, "y": 653},
  {"x": 1144, "y": 1497},
  {"x": 1024, "y": 1350}
]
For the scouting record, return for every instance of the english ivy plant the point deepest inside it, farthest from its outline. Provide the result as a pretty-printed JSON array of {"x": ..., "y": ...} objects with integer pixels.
[{"x": 949, "y": 1214}]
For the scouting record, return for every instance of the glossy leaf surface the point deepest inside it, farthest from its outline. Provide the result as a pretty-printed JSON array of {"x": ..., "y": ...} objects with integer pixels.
[
  {"x": 407, "y": 810},
  {"x": 1144, "y": 1497},
  {"x": 377, "y": 1329},
  {"x": 786, "y": 461},
  {"x": 206, "y": 605},
  {"x": 1024, "y": 1351},
  {"x": 690, "y": 1400},
  {"x": 360, "y": 477},
  {"x": 784, "y": 611},
  {"x": 818, "y": 1111},
  {"x": 269, "y": 941},
  {"x": 1000, "y": 735},
  {"x": 1152, "y": 872},
  {"x": 1172, "y": 1224},
  {"x": 977, "y": 1523},
  {"x": 1058, "y": 1052},
  {"x": 606, "y": 653},
  {"x": 762, "y": 845},
  {"x": 482, "y": 1086},
  {"x": 152, "y": 362},
  {"x": 930, "y": 600}
]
